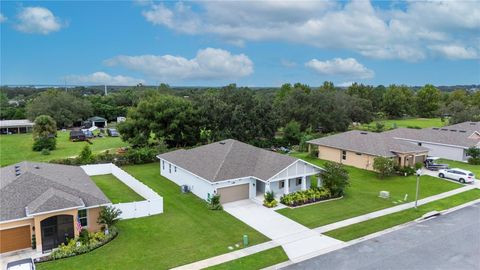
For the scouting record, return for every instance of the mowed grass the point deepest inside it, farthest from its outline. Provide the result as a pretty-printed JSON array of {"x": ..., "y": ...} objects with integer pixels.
[
  {"x": 18, "y": 147},
  {"x": 362, "y": 195},
  {"x": 381, "y": 223},
  {"x": 255, "y": 261},
  {"x": 475, "y": 169},
  {"x": 404, "y": 123},
  {"x": 186, "y": 232},
  {"x": 115, "y": 189}
]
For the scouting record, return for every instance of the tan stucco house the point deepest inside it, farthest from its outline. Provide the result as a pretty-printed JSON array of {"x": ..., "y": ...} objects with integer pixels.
[
  {"x": 47, "y": 201},
  {"x": 359, "y": 149}
]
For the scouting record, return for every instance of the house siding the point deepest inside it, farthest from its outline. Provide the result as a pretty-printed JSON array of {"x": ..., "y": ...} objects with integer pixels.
[
  {"x": 444, "y": 151},
  {"x": 363, "y": 161}
]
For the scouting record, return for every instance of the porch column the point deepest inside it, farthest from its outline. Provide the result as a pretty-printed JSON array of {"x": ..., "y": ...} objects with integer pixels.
[
  {"x": 304, "y": 183},
  {"x": 319, "y": 181},
  {"x": 286, "y": 188},
  {"x": 267, "y": 187}
]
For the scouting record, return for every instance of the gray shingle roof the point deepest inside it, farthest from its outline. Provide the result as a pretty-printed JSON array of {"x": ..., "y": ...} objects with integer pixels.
[
  {"x": 451, "y": 135},
  {"x": 376, "y": 144},
  {"x": 229, "y": 159},
  {"x": 42, "y": 187}
]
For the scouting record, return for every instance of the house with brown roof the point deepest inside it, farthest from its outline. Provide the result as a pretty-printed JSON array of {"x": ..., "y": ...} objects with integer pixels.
[
  {"x": 235, "y": 171},
  {"x": 48, "y": 202},
  {"x": 359, "y": 149},
  {"x": 449, "y": 142}
]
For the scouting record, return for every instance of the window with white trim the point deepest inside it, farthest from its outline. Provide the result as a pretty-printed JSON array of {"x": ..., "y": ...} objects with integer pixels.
[
  {"x": 175, "y": 168},
  {"x": 281, "y": 184},
  {"x": 163, "y": 164},
  {"x": 83, "y": 217},
  {"x": 170, "y": 168},
  {"x": 344, "y": 155},
  {"x": 299, "y": 181}
]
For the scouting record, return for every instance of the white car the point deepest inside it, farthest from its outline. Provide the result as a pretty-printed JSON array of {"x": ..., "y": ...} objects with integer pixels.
[
  {"x": 25, "y": 264},
  {"x": 462, "y": 176}
]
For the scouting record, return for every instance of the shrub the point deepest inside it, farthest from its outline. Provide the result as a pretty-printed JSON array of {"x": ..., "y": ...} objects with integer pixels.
[
  {"x": 406, "y": 171},
  {"x": 313, "y": 151},
  {"x": 335, "y": 178},
  {"x": 214, "y": 203},
  {"x": 109, "y": 216},
  {"x": 45, "y": 152},
  {"x": 384, "y": 166},
  {"x": 41, "y": 143},
  {"x": 474, "y": 154},
  {"x": 307, "y": 196},
  {"x": 474, "y": 161},
  {"x": 84, "y": 236},
  {"x": 86, "y": 156},
  {"x": 141, "y": 155},
  {"x": 269, "y": 200},
  {"x": 418, "y": 165}
]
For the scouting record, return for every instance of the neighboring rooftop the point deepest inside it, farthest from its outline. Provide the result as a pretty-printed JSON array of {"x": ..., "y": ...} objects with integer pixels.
[
  {"x": 15, "y": 123},
  {"x": 462, "y": 134},
  {"x": 229, "y": 159},
  {"x": 29, "y": 188},
  {"x": 96, "y": 119},
  {"x": 377, "y": 144}
]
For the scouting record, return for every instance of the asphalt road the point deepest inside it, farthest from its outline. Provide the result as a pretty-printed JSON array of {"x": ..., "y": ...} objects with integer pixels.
[{"x": 450, "y": 242}]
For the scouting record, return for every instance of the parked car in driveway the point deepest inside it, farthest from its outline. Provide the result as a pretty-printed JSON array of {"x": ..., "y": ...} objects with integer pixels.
[
  {"x": 25, "y": 264},
  {"x": 112, "y": 132},
  {"x": 462, "y": 176}
]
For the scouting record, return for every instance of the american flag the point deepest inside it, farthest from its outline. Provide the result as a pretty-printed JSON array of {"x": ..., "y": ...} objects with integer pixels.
[{"x": 79, "y": 225}]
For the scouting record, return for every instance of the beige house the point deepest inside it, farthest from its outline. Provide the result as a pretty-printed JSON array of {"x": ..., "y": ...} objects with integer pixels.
[
  {"x": 48, "y": 202},
  {"x": 359, "y": 149}
]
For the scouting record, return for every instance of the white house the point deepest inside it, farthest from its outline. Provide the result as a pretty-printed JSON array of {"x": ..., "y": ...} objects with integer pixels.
[
  {"x": 236, "y": 171},
  {"x": 450, "y": 142}
]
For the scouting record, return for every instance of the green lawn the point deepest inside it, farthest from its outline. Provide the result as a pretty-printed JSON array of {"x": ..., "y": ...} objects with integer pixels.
[
  {"x": 378, "y": 224},
  {"x": 362, "y": 196},
  {"x": 258, "y": 260},
  {"x": 186, "y": 232},
  {"x": 18, "y": 147},
  {"x": 411, "y": 122},
  {"x": 115, "y": 190},
  {"x": 475, "y": 169}
]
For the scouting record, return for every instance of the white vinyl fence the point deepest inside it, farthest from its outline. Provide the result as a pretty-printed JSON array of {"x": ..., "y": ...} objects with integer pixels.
[{"x": 151, "y": 206}]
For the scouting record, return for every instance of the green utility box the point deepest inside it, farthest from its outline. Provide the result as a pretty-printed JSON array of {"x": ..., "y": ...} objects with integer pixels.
[{"x": 245, "y": 240}]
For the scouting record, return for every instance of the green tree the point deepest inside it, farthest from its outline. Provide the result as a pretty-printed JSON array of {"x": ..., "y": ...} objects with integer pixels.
[
  {"x": 63, "y": 107},
  {"x": 384, "y": 166},
  {"x": 474, "y": 155},
  {"x": 109, "y": 216},
  {"x": 44, "y": 133},
  {"x": 398, "y": 101},
  {"x": 292, "y": 133},
  {"x": 427, "y": 100},
  {"x": 86, "y": 156},
  {"x": 335, "y": 178}
]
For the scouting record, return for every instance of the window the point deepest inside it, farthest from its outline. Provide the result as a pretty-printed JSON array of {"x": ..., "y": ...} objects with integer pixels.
[
  {"x": 175, "y": 168},
  {"x": 299, "y": 181},
  {"x": 170, "y": 168},
  {"x": 82, "y": 217},
  {"x": 344, "y": 155},
  {"x": 163, "y": 164},
  {"x": 281, "y": 184},
  {"x": 358, "y": 154},
  {"x": 419, "y": 144}
]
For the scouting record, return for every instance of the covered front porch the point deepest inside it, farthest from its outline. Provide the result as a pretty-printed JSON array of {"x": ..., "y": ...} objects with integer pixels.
[{"x": 410, "y": 159}]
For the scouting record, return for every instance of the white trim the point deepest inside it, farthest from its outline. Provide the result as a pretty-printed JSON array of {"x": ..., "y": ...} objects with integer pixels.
[
  {"x": 296, "y": 161},
  {"x": 188, "y": 171},
  {"x": 53, "y": 211},
  {"x": 15, "y": 220},
  {"x": 86, "y": 217}
]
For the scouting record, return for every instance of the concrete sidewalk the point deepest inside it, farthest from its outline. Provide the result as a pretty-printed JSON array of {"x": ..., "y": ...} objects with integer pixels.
[{"x": 398, "y": 208}]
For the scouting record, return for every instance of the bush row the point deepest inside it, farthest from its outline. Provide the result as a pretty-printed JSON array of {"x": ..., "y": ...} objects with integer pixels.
[{"x": 310, "y": 195}]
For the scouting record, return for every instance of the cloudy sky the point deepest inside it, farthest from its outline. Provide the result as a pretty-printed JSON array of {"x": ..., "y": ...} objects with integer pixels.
[{"x": 251, "y": 43}]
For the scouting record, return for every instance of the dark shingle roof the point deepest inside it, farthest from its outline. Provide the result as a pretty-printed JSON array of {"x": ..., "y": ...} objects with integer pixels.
[
  {"x": 376, "y": 144},
  {"x": 229, "y": 159},
  {"x": 42, "y": 187}
]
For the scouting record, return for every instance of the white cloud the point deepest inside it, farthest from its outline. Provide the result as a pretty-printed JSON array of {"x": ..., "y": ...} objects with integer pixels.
[
  {"x": 208, "y": 64},
  {"x": 397, "y": 33},
  {"x": 288, "y": 63},
  {"x": 347, "y": 68},
  {"x": 2, "y": 18},
  {"x": 37, "y": 20},
  {"x": 455, "y": 51},
  {"x": 345, "y": 84},
  {"x": 103, "y": 78}
]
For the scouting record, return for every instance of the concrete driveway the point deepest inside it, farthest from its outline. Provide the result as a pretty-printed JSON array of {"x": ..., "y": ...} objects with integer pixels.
[
  {"x": 296, "y": 239},
  {"x": 447, "y": 242}
]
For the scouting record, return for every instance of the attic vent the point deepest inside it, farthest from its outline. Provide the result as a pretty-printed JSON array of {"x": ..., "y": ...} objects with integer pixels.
[
  {"x": 473, "y": 124},
  {"x": 454, "y": 130},
  {"x": 36, "y": 167},
  {"x": 462, "y": 131},
  {"x": 445, "y": 129},
  {"x": 363, "y": 133},
  {"x": 435, "y": 128},
  {"x": 222, "y": 142},
  {"x": 17, "y": 173}
]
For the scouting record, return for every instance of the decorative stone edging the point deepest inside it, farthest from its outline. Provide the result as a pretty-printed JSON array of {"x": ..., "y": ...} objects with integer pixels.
[{"x": 313, "y": 203}]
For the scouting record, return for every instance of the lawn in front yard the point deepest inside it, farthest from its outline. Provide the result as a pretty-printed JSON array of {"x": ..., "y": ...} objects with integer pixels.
[
  {"x": 255, "y": 261},
  {"x": 405, "y": 123},
  {"x": 115, "y": 189},
  {"x": 475, "y": 169},
  {"x": 18, "y": 147},
  {"x": 362, "y": 196},
  {"x": 186, "y": 232},
  {"x": 381, "y": 223}
]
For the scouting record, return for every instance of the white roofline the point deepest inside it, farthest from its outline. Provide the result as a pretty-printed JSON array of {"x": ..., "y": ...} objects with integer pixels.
[
  {"x": 296, "y": 161},
  {"x": 413, "y": 140}
]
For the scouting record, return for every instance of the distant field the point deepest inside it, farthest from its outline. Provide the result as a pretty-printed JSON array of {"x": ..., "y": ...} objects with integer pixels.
[
  {"x": 405, "y": 123},
  {"x": 18, "y": 147}
]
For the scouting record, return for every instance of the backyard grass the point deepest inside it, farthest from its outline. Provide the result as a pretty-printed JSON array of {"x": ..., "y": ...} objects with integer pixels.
[
  {"x": 405, "y": 123},
  {"x": 18, "y": 147},
  {"x": 115, "y": 189},
  {"x": 362, "y": 195},
  {"x": 475, "y": 169},
  {"x": 186, "y": 232},
  {"x": 255, "y": 261},
  {"x": 381, "y": 223}
]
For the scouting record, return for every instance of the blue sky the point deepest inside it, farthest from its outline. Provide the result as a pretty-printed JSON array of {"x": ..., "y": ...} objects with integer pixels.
[{"x": 263, "y": 43}]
